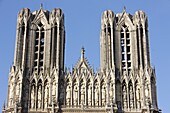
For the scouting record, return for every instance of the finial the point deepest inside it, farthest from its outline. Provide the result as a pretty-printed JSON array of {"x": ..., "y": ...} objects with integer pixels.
[
  {"x": 41, "y": 6},
  {"x": 4, "y": 105},
  {"x": 82, "y": 52},
  {"x": 124, "y": 8}
]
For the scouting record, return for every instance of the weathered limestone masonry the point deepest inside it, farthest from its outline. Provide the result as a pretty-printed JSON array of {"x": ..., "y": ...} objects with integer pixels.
[{"x": 38, "y": 82}]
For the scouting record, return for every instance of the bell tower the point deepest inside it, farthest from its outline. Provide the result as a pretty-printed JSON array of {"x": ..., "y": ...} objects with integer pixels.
[
  {"x": 38, "y": 68},
  {"x": 107, "y": 40}
]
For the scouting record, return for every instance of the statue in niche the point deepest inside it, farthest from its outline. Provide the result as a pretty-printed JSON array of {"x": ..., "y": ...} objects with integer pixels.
[
  {"x": 68, "y": 94},
  {"x": 11, "y": 90},
  {"x": 124, "y": 97},
  {"x": 89, "y": 95},
  {"x": 82, "y": 94},
  {"x": 96, "y": 96},
  {"x": 46, "y": 95},
  {"x": 39, "y": 97},
  {"x": 18, "y": 89},
  {"x": 111, "y": 93},
  {"x": 137, "y": 93},
  {"x": 103, "y": 95},
  {"x": 54, "y": 88},
  {"x": 75, "y": 95},
  {"x": 32, "y": 97},
  {"x": 131, "y": 96},
  {"x": 146, "y": 90},
  {"x": 146, "y": 93},
  {"x": 138, "y": 96}
]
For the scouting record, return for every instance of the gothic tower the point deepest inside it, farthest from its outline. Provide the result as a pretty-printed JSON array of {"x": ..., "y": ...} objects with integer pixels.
[
  {"x": 38, "y": 66},
  {"x": 124, "y": 47},
  {"x": 39, "y": 83}
]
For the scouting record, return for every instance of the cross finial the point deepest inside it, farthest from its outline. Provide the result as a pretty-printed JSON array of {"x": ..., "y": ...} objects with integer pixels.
[
  {"x": 41, "y": 6},
  {"x": 82, "y": 52},
  {"x": 124, "y": 8}
]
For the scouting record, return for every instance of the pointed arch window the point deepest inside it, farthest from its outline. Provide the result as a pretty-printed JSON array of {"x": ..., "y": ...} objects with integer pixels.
[
  {"x": 23, "y": 30},
  {"x": 39, "y": 47},
  {"x": 125, "y": 48}
]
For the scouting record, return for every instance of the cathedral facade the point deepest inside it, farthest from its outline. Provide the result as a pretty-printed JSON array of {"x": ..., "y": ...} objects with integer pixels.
[{"x": 39, "y": 82}]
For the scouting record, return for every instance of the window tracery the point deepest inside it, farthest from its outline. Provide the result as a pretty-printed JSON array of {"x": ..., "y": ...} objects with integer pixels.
[
  {"x": 39, "y": 47},
  {"x": 125, "y": 48}
]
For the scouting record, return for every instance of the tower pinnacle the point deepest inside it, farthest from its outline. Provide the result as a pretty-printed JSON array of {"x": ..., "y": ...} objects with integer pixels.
[
  {"x": 124, "y": 9},
  {"x": 41, "y": 6},
  {"x": 82, "y": 53}
]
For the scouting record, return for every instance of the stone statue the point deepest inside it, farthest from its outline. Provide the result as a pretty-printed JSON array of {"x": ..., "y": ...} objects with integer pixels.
[
  {"x": 32, "y": 97},
  {"x": 96, "y": 96},
  {"x": 111, "y": 93},
  {"x": 68, "y": 92},
  {"x": 131, "y": 96},
  {"x": 68, "y": 95},
  {"x": 146, "y": 90},
  {"x": 103, "y": 95},
  {"x": 146, "y": 93},
  {"x": 111, "y": 90},
  {"x": 11, "y": 90},
  {"x": 82, "y": 94},
  {"x": 39, "y": 97},
  {"x": 89, "y": 95},
  {"x": 75, "y": 95},
  {"x": 46, "y": 97},
  {"x": 54, "y": 88},
  {"x": 138, "y": 93},
  {"x": 18, "y": 89},
  {"x": 124, "y": 97}
]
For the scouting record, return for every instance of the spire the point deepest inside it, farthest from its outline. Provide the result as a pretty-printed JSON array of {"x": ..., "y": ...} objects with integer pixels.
[
  {"x": 124, "y": 9},
  {"x": 82, "y": 53},
  {"x": 41, "y": 6}
]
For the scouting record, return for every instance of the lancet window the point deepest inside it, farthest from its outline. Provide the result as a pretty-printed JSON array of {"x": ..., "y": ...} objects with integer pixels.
[
  {"x": 125, "y": 48},
  {"x": 39, "y": 47}
]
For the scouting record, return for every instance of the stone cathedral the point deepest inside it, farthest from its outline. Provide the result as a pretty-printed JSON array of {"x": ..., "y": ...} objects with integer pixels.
[{"x": 39, "y": 82}]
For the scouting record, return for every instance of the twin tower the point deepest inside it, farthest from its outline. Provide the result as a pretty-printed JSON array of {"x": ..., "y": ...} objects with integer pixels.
[{"x": 39, "y": 82}]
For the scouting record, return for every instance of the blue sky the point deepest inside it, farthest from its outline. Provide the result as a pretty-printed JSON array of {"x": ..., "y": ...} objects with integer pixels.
[{"x": 82, "y": 24}]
